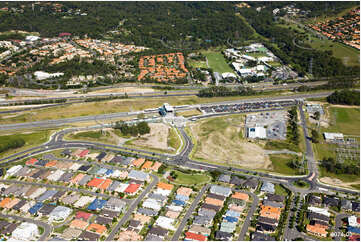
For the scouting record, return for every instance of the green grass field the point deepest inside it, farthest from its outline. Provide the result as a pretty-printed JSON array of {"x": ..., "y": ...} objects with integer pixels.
[
  {"x": 280, "y": 190},
  {"x": 197, "y": 64},
  {"x": 280, "y": 164},
  {"x": 31, "y": 139},
  {"x": 173, "y": 139},
  {"x": 344, "y": 120},
  {"x": 349, "y": 56},
  {"x": 217, "y": 62},
  {"x": 190, "y": 179}
]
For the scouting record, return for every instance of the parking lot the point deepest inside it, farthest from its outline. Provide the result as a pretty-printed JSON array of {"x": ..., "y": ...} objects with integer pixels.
[
  {"x": 247, "y": 107},
  {"x": 273, "y": 121}
]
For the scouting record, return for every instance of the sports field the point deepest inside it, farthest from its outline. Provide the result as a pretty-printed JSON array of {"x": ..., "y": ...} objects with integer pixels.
[
  {"x": 217, "y": 62},
  {"x": 190, "y": 179}
]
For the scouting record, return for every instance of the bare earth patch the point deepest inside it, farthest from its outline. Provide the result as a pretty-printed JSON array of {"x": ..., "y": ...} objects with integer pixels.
[
  {"x": 157, "y": 138},
  {"x": 338, "y": 182},
  {"x": 125, "y": 90},
  {"x": 229, "y": 148}
]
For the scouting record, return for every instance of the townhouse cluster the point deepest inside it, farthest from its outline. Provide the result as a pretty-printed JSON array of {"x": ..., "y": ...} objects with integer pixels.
[
  {"x": 270, "y": 210},
  {"x": 61, "y": 50},
  {"x": 163, "y": 68},
  {"x": 319, "y": 214},
  {"x": 165, "y": 204},
  {"x": 219, "y": 209},
  {"x": 345, "y": 29}
]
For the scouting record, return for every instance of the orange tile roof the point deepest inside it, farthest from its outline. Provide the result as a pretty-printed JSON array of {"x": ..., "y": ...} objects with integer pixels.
[
  {"x": 142, "y": 218},
  {"x": 97, "y": 228},
  {"x": 240, "y": 196},
  {"x": 31, "y": 161},
  {"x": 147, "y": 165},
  {"x": 214, "y": 201},
  {"x": 77, "y": 178},
  {"x": 4, "y": 202},
  {"x": 79, "y": 224},
  {"x": 105, "y": 184},
  {"x": 316, "y": 230},
  {"x": 270, "y": 212},
  {"x": 51, "y": 163},
  {"x": 12, "y": 203},
  {"x": 156, "y": 166},
  {"x": 95, "y": 182},
  {"x": 138, "y": 162},
  {"x": 165, "y": 186},
  {"x": 185, "y": 191}
]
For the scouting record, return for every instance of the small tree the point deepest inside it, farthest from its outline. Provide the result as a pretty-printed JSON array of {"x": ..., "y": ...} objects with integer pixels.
[
  {"x": 315, "y": 136},
  {"x": 317, "y": 115}
]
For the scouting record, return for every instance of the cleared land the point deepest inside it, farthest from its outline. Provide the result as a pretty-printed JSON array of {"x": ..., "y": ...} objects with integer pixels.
[
  {"x": 280, "y": 163},
  {"x": 161, "y": 138},
  {"x": 107, "y": 136},
  {"x": 221, "y": 140}
]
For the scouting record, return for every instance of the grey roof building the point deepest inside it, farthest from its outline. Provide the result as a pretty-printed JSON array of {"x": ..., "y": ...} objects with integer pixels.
[
  {"x": 66, "y": 177},
  {"x": 346, "y": 205},
  {"x": 258, "y": 236},
  {"x": 11, "y": 190},
  {"x": 151, "y": 237},
  {"x": 160, "y": 232},
  {"x": 275, "y": 198},
  {"x": 268, "y": 187},
  {"x": 46, "y": 209},
  {"x": 138, "y": 175},
  {"x": 103, "y": 220},
  {"x": 22, "y": 191},
  {"x": 23, "y": 171},
  {"x": 210, "y": 206},
  {"x": 314, "y": 200},
  {"x": 19, "y": 205},
  {"x": 158, "y": 197},
  {"x": 235, "y": 180},
  {"x": 272, "y": 204},
  {"x": 146, "y": 211},
  {"x": 219, "y": 190},
  {"x": 115, "y": 204},
  {"x": 202, "y": 220},
  {"x": 84, "y": 180},
  {"x": 224, "y": 178},
  {"x": 58, "y": 195},
  {"x": 251, "y": 183},
  {"x": 266, "y": 220},
  {"x": 85, "y": 235},
  {"x": 113, "y": 186},
  {"x": 70, "y": 199},
  {"x": 215, "y": 196},
  {"x": 206, "y": 212},
  {"x": 220, "y": 235},
  {"x": 46, "y": 195},
  {"x": 108, "y": 213}
]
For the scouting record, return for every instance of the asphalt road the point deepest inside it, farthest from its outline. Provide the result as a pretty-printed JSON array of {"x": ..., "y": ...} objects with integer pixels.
[
  {"x": 338, "y": 225},
  {"x": 186, "y": 217},
  {"x": 247, "y": 221},
  {"x": 132, "y": 207},
  {"x": 47, "y": 227}
]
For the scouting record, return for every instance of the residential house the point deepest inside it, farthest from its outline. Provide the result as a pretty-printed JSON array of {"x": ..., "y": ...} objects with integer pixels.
[
  {"x": 268, "y": 187},
  {"x": 219, "y": 190}
]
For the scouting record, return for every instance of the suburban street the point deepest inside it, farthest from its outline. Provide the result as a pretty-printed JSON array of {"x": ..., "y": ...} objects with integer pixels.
[
  {"x": 247, "y": 221},
  {"x": 132, "y": 207},
  {"x": 190, "y": 210}
]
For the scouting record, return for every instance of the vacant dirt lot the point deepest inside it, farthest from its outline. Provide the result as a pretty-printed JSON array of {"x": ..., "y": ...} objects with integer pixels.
[
  {"x": 221, "y": 140},
  {"x": 338, "y": 182},
  {"x": 157, "y": 138}
]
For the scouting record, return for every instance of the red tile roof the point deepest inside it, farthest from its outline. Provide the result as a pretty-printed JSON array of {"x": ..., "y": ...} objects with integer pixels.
[
  {"x": 132, "y": 188},
  {"x": 193, "y": 236},
  {"x": 83, "y": 215}
]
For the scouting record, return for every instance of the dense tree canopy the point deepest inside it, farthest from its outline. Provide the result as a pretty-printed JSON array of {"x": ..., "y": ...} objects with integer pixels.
[{"x": 347, "y": 97}]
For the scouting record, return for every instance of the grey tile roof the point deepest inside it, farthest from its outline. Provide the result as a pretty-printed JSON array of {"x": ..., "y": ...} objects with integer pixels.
[
  {"x": 219, "y": 190},
  {"x": 147, "y": 211},
  {"x": 224, "y": 178},
  {"x": 84, "y": 180},
  {"x": 138, "y": 175}
]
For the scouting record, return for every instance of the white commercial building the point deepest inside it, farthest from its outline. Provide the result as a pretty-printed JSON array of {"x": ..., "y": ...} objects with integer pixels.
[
  {"x": 41, "y": 75},
  {"x": 257, "y": 132},
  {"x": 322, "y": 211},
  {"x": 13, "y": 170},
  {"x": 165, "y": 223},
  {"x": 333, "y": 136},
  {"x": 32, "y": 38},
  {"x": 25, "y": 231},
  {"x": 60, "y": 213}
]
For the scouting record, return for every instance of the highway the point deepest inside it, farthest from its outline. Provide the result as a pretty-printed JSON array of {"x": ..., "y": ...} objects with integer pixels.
[{"x": 60, "y": 122}]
